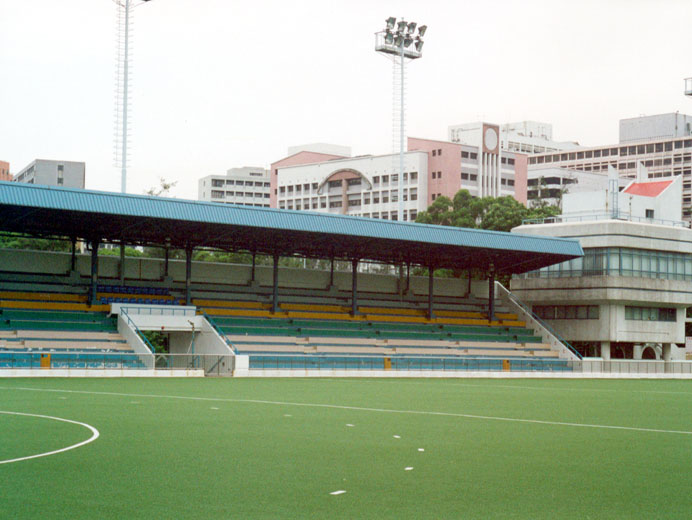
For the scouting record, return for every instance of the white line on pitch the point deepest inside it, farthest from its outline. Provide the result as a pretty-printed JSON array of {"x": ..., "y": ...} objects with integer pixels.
[
  {"x": 94, "y": 435},
  {"x": 360, "y": 409}
]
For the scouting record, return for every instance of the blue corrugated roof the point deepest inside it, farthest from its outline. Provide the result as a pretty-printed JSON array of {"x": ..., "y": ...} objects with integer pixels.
[{"x": 46, "y": 197}]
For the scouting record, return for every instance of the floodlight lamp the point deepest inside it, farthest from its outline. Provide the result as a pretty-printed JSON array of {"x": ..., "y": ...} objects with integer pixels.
[
  {"x": 408, "y": 41},
  {"x": 390, "y": 22},
  {"x": 411, "y": 27},
  {"x": 419, "y": 45},
  {"x": 421, "y": 30},
  {"x": 399, "y": 40},
  {"x": 402, "y": 26},
  {"x": 389, "y": 37}
]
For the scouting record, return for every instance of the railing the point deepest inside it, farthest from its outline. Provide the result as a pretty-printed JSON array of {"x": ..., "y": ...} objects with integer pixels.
[
  {"x": 516, "y": 301},
  {"x": 212, "y": 364},
  {"x": 402, "y": 363},
  {"x": 157, "y": 310},
  {"x": 603, "y": 216},
  {"x": 218, "y": 330},
  {"x": 124, "y": 313},
  {"x": 72, "y": 360}
]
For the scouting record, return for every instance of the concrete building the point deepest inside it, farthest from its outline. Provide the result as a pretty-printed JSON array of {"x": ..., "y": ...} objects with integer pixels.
[
  {"x": 367, "y": 185},
  {"x": 627, "y": 297},
  {"x": 662, "y": 157},
  {"x": 527, "y": 137},
  {"x": 548, "y": 186},
  {"x": 70, "y": 174},
  {"x": 246, "y": 186},
  {"x": 5, "y": 174},
  {"x": 661, "y": 126}
]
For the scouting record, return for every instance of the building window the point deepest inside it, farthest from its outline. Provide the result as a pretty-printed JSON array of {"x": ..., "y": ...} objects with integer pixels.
[
  {"x": 216, "y": 194},
  {"x": 649, "y": 213},
  {"x": 650, "y": 314},
  {"x": 414, "y": 176},
  {"x": 335, "y": 204},
  {"x": 334, "y": 184},
  {"x": 566, "y": 312},
  {"x": 216, "y": 183},
  {"x": 434, "y": 153}
]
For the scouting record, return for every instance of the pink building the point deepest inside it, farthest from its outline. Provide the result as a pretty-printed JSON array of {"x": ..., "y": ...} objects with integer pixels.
[{"x": 5, "y": 171}]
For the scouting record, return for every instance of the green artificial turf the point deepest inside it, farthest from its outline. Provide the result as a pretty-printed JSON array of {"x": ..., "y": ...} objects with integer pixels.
[{"x": 217, "y": 456}]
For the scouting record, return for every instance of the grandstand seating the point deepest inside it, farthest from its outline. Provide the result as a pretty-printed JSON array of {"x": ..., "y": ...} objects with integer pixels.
[
  {"x": 59, "y": 330},
  {"x": 306, "y": 335}
]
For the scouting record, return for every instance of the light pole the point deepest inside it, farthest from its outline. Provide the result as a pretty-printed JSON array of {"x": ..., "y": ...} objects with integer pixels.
[
  {"x": 395, "y": 42},
  {"x": 124, "y": 21}
]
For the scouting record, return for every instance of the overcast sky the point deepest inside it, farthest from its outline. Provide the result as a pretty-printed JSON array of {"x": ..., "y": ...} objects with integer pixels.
[{"x": 222, "y": 83}]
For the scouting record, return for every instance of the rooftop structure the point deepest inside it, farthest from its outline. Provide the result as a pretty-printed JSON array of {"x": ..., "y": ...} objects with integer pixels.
[
  {"x": 524, "y": 137},
  {"x": 5, "y": 174},
  {"x": 650, "y": 128},
  {"x": 325, "y": 148}
]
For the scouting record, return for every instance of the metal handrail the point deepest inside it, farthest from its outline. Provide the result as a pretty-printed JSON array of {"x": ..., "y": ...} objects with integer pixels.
[
  {"x": 542, "y": 323},
  {"x": 219, "y": 332},
  {"x": 603, "y": 216},
  {"x": 123, "y": 310}
]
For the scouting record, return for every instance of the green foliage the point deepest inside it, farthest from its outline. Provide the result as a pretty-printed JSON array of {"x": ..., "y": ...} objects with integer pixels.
[
  {"x": 157, "y": 340},
  {"x": 497, "y": 214},
  {"x": 14, "y": 241}
]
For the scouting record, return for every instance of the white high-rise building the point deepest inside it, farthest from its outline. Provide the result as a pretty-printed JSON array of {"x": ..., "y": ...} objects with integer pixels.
[
  {"x": 247, "y": 186},
  {"x": 48, "y": 172}
]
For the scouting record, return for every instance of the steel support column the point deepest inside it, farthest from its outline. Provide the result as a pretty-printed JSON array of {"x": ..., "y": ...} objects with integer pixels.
[
  {"x": 73, "y": 260},
  {"x": 188, "y": 275},
  {"x": 331, "y": 273},
  {"x": 94, "y": 270},
  {"x": 431, "y": 273},
  {"x": 122, "y": 263},
  {"x": 252, "y": 276},
  {"x": 275, "y": 285},
  {"x": 354, "y": 287},
  {"x": 491, "y": 295}
]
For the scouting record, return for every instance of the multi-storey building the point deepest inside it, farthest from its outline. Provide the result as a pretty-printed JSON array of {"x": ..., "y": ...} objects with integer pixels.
[
  {"x": 548, "y": 186},
  {"x": 627, "y": 296},
  {"x": 662, "y": 157},
  {"x": 70, "y": 174},
  {"x": 5, "y": 171},
  {"x": 246, "y": 186},
  {"x": 368, "y": 185},
  {"x": 523, "y": 137}
]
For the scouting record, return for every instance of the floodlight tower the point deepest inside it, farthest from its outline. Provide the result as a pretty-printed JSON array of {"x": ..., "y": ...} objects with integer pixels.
[
  {"x": 395, "y": 42},
  {"x": 123, "y": 46}
]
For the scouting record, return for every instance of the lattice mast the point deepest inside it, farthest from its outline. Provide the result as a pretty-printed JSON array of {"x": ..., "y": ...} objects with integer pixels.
[
  {"x": 123, "y": 75},
  {"x": 396, "y": 42}
]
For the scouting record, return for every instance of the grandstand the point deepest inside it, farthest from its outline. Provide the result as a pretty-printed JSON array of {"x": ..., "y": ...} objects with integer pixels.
[{"x": 69, "y": 310}]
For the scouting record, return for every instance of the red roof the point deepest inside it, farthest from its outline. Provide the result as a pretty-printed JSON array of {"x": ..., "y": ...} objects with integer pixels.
[{"x": 648, "y": 189}]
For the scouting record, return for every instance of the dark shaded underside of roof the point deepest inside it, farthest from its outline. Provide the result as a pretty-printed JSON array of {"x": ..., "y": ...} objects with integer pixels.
[{"x": 142, "y": 220}]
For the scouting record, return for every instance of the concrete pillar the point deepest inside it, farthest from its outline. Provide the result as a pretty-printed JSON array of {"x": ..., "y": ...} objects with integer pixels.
[
  {"x": 637, "y": 351},
  {"x": 605, "y": 350},
  {"x": 165, "y": 264},
  {"x": 408, "y": 277},
  {"x": 468, "y": 291},
  {"x": 667, "y": 351}
]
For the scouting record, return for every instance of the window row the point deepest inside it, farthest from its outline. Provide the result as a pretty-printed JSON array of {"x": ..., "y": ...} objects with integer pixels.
[
  {"x": 650, "y": 314},
  {"x": 220, "y": 183},
  {"x": 566, "y": 312},
  {"x": 218, "y": 194},
  {"x": 621, "y": 261},
  {"x": 621, "y": 151}
]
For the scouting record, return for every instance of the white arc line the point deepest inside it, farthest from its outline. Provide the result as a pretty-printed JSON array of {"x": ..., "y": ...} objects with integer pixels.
[
  {"x": 361, "y": 409},
  {"x": 94, "y": 435}
]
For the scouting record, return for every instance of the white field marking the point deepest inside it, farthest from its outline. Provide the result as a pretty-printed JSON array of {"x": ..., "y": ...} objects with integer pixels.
[
  {"x": 408, "y": 468},
  {"x": 545, "y": 388},
  {"x": 287, "y": 415},
  {"x": 397, "y": 436},
  {"x": 135, "y": 402},
  {"x": 94, "y": 435},
  {"x": 350, "y": 425},
  {"x": 61, "y": 397},
  {"x": 339, "y": 492},
  {"x": 360, "y": 409},
  {"x": 214, "y": 408},
  {"x": 421, "y": 449}
]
